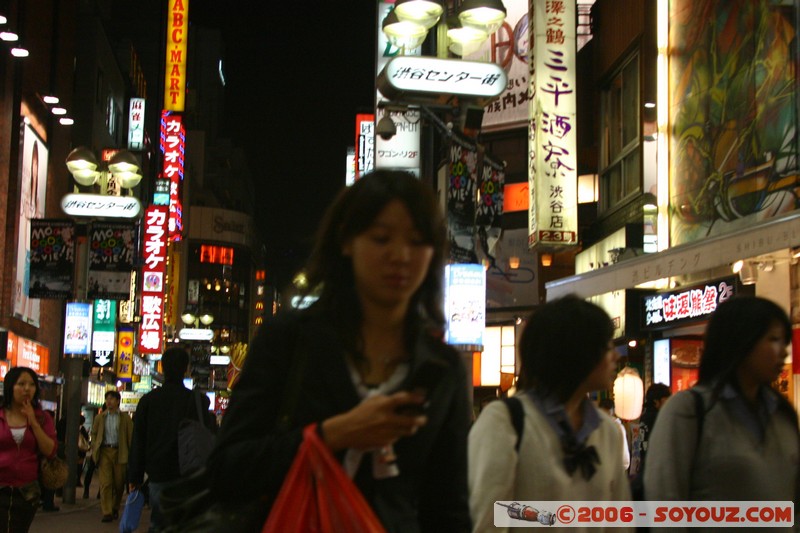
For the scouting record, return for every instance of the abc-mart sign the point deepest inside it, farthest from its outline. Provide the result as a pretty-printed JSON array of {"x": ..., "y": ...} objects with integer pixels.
[{"x": 100, "y": 205}]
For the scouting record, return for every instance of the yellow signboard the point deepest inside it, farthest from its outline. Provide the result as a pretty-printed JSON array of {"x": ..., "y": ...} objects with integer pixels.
[{"x": 177, "y": 36}]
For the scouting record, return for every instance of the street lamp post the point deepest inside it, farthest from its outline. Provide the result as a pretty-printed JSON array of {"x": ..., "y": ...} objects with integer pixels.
[
  {"x": 121, "y": 171},
  {"x": 195, "y": 334}
]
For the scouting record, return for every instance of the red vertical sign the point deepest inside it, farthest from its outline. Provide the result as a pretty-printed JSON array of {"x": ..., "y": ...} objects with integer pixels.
[
  {"x": 173, "y": 148},
  {"x": 155, "y": 258}
]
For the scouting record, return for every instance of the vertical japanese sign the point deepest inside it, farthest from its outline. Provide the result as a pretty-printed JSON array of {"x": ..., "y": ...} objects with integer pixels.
[
  {"x": 111, "y": 257},
  {"x": 136, "y": 124},
  {"x": 104, "y": 332},
  {"x": 465, "y": 304},
  {"x": 78, "y": 329},
  {"x": 173, "y": 146},
  {"x": 552, "y": 140},
  {"x": 155, "y": 256},
  {"x": 32, "y": 195},
  {"x": 52, "y": 249},
  {"x": 462, "y": 181},
  {"x": 125, "y": 359},
  {"x": 365, "y": 143},
  {"x": 175, "y": 68}
]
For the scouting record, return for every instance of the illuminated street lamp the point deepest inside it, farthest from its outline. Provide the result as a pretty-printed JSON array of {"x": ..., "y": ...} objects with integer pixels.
[
  {"x": 123, "y": 167},
  {"x": 406, "y": 26},
  {"x": 193, "y": 331}
]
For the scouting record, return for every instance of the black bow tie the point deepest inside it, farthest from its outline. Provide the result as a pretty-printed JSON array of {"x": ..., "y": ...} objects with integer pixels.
[{"x": 578, "y": 455}]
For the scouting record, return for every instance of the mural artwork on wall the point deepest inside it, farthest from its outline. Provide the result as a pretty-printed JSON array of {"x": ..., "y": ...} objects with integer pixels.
[{"x": 733, "y": 114}]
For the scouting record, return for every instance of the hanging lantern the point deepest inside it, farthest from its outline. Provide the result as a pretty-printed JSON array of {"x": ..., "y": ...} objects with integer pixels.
[{"x": 628, "y": 394}]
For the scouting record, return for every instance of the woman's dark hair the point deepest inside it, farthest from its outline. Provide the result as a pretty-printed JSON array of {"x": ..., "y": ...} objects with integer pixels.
[
  {"x": 655, "y": 392},
  {"x": 353, "y": 212},
  {"x": 562, "y": 344},
  {"x": 733, "y": 331},
  {"x": 12, "y": 376}
]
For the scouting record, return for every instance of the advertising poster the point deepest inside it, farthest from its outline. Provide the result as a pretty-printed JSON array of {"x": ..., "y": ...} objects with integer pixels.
[
  {"x": 111, "y": 256},
  {"x": 52, "y": 249},
  {"x": 33, "y": 183},
  {"x": 462, "y": 181},
  {"x": 465, "y": 304},
  {"x": 490, "y": 204},
  {"x": 78, "y": 329}
]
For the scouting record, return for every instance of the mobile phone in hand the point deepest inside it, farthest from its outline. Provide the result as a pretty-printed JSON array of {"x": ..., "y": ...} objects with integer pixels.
[{"x": 424, "y": 380}]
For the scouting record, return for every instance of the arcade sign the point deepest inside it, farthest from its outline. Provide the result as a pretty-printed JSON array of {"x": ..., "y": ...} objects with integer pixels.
[
  {"x": 100, "y": 205},
  {"x": 427, "y": 79}
]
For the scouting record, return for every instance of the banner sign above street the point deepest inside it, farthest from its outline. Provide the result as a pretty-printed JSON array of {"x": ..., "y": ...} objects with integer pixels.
[
  {"x": 417, "y": 79},
  {"x": 100, "y": 205}
]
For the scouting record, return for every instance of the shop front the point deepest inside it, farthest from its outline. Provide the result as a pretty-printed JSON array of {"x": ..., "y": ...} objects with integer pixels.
[
  {"x": 690, "y": 280},
  {"x": 675, "y": 320}
]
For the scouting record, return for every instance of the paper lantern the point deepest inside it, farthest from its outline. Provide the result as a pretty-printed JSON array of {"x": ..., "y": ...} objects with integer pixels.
[{"x": 628, "y": 394}]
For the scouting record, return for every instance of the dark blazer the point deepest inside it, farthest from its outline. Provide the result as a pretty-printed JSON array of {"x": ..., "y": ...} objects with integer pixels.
[{"x": 252, "y": 457}]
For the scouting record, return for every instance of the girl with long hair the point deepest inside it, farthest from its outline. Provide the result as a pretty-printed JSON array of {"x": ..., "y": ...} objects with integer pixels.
[{"x": 345, "y": 362}]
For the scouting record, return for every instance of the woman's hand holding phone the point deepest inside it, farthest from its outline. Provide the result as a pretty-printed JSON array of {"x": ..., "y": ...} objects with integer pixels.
[{"x": 376, "y": 422}]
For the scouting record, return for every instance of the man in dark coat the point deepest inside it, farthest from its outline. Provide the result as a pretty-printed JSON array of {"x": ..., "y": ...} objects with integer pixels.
[{"x": 155, "y": 430}]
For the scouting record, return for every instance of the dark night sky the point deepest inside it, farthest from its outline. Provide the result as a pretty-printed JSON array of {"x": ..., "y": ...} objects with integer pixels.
[{"x": 296, "y": 76}]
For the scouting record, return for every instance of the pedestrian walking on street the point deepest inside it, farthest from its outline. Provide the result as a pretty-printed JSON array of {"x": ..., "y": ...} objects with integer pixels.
[
  {"x": 564, "y": 447},
  {"x": 154, "y": 449},
  {"x": 27, "y": 434},
  {"x": 378, "y": 267},
  {"x": 111, "y": 438},
  {"x": 732, "y": 436}
]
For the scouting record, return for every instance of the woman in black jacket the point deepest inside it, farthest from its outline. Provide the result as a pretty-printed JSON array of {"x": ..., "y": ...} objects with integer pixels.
[{"x": 344, "y": 363}]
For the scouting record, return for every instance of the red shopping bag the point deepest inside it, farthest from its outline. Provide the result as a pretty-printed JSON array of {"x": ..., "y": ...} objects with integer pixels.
[{"x": 317, "y": 496}]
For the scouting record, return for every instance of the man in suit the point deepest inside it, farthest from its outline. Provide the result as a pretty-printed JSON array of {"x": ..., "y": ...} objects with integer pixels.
[{"x": 111, "y": 438}]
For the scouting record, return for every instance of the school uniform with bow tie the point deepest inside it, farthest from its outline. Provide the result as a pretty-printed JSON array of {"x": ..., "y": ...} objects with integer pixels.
[{"x": 554, "y": 462}]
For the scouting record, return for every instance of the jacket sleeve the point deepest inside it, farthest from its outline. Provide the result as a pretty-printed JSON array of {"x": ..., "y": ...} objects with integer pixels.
[
  {"x": 250, "y": 457},
  {"x": 671, "y": 450},
  {"x": 444, "y": 504},
  {"x": 492, "y": 464},
  {"x": 96, "y": 438}
]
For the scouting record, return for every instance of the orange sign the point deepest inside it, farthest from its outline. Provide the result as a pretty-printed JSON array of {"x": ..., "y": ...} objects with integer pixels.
[
  {"x": 177, "y": 36},
  {"x": 515, "y": 197},
  {"x": 25, "y": 352}
]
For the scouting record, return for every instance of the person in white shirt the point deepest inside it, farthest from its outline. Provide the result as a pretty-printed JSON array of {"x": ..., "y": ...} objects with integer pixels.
[{"x": 569, "y": 449}]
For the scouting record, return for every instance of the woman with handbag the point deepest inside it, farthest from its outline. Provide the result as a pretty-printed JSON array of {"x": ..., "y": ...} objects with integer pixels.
[
  {"x": 345, "y": 366},
  {"x": 26, "y": 434}
]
